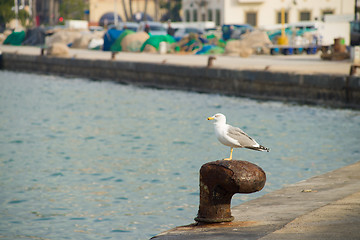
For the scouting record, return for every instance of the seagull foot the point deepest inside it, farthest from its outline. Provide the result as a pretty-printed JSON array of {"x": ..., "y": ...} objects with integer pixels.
[{"x": 227, "y": 159}]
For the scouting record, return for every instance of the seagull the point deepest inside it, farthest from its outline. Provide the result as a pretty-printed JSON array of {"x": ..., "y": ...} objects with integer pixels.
[{"x": 233, "y": 136}]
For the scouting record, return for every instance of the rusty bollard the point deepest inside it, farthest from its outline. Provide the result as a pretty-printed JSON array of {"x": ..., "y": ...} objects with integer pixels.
[
  {"x": 210, "y": 61},
  {"x": 113, "y": 54},
  {"x": 219, "y": 181}
]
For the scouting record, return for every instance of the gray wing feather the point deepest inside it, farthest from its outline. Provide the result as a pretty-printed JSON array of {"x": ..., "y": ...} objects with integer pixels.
[{"x": 243, "y": 139}]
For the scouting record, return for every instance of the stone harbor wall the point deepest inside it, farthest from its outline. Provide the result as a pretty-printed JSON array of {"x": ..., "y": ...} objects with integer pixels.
[{"x": 325, "y": 89}]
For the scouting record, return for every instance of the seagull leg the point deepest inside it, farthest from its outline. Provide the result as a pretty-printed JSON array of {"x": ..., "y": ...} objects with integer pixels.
[{"x": 230, "y": 158}]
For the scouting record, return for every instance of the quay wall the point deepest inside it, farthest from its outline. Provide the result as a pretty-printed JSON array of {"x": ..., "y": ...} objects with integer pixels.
[{"x": 329, "y": 90}]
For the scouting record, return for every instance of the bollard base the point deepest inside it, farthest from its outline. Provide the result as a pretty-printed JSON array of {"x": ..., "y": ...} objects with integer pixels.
[{"x": 214, "y": 220}]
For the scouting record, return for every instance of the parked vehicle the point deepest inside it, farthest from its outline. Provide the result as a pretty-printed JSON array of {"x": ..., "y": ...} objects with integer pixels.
[
  {"x": 355, "y": 33},
  {"x": 155, "y": 28},
  {"x": 235, "y": 30},
  {"x": 96, "y": 28},
  {"x": 181, "y": 32},
  {"x": 128, "y": 25}
]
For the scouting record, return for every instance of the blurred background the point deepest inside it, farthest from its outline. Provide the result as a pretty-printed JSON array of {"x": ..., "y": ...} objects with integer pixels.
[{"x": 207, "y": 25}]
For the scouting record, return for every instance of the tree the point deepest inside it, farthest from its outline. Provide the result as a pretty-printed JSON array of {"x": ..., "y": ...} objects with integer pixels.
[
  {"x": 145, "y": 11},
  {"x": 72, "y": 9},
  {"x": 128, "y": 15},
  {"x": 125, "y": 10},
  {"x": 173, "y": 10},
  {"x": 24, "y": 17},
  {"x": 131, "y": 10},
  {"x": 6, "y": 14}
]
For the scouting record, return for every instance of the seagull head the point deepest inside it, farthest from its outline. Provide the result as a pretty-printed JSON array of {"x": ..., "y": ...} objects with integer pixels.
[{"x": 219, "y": 118}]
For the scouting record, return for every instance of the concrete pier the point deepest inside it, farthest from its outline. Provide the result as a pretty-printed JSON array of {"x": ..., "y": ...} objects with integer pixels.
[
  {"x": 303, "y": 79},
  {"x": 323, "y": 207}
]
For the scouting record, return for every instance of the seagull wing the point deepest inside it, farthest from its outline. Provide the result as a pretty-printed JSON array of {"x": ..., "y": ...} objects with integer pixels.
[{"x": 240, "y": 136}]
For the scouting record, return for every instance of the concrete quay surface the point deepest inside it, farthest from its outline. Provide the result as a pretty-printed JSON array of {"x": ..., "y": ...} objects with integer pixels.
[
  {"x": 325, "y": 207},
  {"x": 309, "y": 64}
]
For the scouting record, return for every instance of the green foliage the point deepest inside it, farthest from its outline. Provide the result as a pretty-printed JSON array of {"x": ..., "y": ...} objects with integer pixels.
[
  {"x": 24, "y": 17},
  {"x": 173, "y": 10},
  {"x": 72, "y": 9},
  {"x": 6, "y": 14}
]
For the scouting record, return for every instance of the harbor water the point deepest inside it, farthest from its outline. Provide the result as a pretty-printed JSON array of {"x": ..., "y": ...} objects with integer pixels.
[{"x": 81, "y": 159}]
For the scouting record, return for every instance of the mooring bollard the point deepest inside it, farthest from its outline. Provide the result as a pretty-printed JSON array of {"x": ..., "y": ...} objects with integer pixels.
[
  {"x": 113, "y": 54},
  {"x": 210, "y": 61},
  {"x": 219, "y": 181},
  {"x": 42, "y": 50}
]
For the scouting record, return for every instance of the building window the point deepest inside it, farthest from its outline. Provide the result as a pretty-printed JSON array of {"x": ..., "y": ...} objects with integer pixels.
[
  {"x": 305, "y": 16},
  {"x": 278, "y": 17},
  {"x": 203, "y": 17},
  {"x": 210, "y": 15},
  {"x": 326, "y": 12},
  {"x": 187, "y": 15},
  {"x": 217, "y": 17},
  {"x": 195, "y": 15},
  {"x": 251, "y": 18}
]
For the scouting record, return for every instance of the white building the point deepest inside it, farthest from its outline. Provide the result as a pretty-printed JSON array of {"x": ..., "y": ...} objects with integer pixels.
[{"x": 263, "y": 12}]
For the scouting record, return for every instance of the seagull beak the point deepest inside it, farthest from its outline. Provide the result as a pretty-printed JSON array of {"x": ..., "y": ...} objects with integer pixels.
[{"x": 210, "y": 118}]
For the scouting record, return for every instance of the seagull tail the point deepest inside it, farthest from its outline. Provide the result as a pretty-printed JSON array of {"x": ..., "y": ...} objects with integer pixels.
[{"x": 260, "y": 148}]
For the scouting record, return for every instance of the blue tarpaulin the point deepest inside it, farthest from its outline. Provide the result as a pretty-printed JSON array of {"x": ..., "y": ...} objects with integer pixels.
[{"x": 110, "y": 37}]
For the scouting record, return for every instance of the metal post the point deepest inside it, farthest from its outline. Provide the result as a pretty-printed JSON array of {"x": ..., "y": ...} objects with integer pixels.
[
  {"x": 51, "y": 13},
  {"x": 30, "y": 9},
  {"x": 156, "y": 10},
  {"x": 169, "y": 8},
  {"x": 16, "y": 14},
  {"x": 283, "y": 40},
  {"x": 115, "y": 14},
  {"x": 283, "y": 22}
]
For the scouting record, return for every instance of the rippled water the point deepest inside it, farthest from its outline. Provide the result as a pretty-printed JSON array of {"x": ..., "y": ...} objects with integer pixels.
[{"x": 98, "y": 160}]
